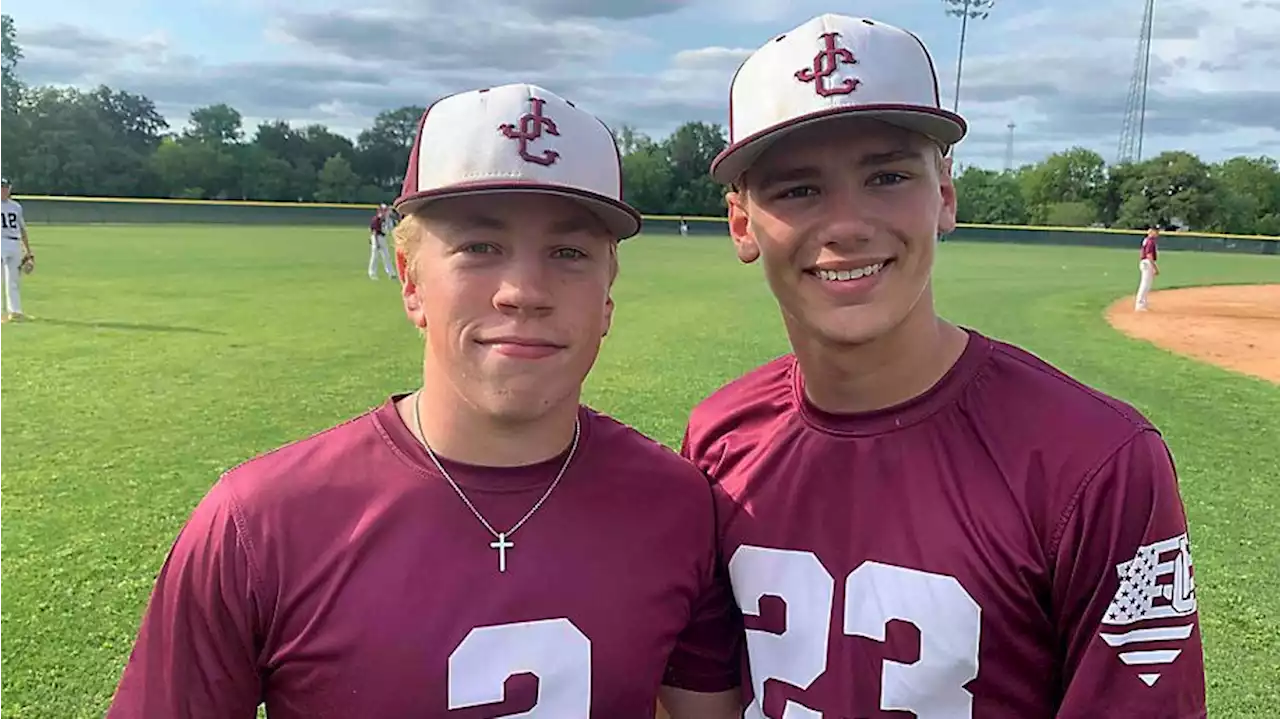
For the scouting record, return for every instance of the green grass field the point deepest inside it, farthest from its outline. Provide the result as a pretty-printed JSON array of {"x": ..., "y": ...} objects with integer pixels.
[{"x": 162, "y": 355}]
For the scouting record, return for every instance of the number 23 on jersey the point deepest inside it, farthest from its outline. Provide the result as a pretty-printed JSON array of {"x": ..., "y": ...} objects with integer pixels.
[{"x": 947, "y": 617}]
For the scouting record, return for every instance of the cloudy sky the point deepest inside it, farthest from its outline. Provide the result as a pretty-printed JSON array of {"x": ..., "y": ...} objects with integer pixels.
[{"x": 1058, "y": 69}]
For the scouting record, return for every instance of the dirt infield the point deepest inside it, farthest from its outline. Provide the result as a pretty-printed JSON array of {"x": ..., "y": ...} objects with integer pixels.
[{"x": 1236, "y": 327}]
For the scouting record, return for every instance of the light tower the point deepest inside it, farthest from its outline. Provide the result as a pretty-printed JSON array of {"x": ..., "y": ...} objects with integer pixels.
[
  {"x": 1135, "y": 109},
  {"x": 965, "y": 10},
  {"x": 1008, "y": 148}
]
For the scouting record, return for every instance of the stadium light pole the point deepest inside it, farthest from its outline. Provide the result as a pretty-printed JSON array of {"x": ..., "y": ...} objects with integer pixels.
[
  {"x": 1008, "y": 150},
  {"x": 965, "y": 9}
]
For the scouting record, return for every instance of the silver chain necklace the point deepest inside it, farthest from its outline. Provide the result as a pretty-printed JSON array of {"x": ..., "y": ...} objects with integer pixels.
[{"x": 503, "y": 543}]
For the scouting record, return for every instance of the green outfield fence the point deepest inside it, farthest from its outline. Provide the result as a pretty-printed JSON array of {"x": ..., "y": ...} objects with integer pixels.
[
  {"x": 111, "y": 210},
  {"x": 1128, "y": 239}
]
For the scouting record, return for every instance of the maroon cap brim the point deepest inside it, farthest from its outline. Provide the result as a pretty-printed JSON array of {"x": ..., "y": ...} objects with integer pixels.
[
  {"x": 942, "y": 126},
  {"x": 621, "y": 220}
]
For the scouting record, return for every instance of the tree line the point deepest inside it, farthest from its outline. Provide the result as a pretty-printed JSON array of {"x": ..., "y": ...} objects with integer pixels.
[
  {"x": 1173, "y": 190},
  {"x": 111, "y": 142}
]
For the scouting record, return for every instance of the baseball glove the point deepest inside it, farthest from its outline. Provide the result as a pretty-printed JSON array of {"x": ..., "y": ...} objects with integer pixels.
[{"x": 28, "y": 264}]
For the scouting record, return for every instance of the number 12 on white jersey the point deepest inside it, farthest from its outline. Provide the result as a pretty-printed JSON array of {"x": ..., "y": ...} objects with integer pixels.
[{"x": 949, "y": 621}]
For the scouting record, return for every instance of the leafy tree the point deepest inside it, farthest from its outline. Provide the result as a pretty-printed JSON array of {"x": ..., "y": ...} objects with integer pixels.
[
  {"x": 1121, "y": 180},
  {"x": 647, "y": 177},
  {"x": 322, "y": 144},
  {"x": 13, "y": 124},
  {"x": 11, "y": 54},
  {"x": 111, "y": 142},
  {"x": 67, "y": 144},
  {"x": 989, "y": 197},
  {"x": 192, "y": 169},
  {"x": 215, "y": 125},
  {"x": 133, "y": 118},
  {"x": 690, "y": 150},
  {"x": 1070, "y": 214},
  {"x": 266, "y": 176},
  {"x": 383, "y": 149},
  {"x": 1172, "y": 190},
  {"x": 1248, "y": 193},
  {"x": 337, "y": 181},
  {"x": 1077, "y": 175}
]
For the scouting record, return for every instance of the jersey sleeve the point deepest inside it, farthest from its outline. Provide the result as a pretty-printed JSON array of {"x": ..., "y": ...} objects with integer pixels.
[
  {"x": 697, "y": 448},
  {"x": 707, "y": 656},
  {"x": 195, "y": 650},
  {"x": 1124, "y": 596}
]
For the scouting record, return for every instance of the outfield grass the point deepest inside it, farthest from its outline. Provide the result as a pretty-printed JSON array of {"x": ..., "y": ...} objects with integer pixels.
[{"x": 162, "y": 355}]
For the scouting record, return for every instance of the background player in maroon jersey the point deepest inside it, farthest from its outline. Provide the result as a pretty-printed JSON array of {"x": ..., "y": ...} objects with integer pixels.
[
  {"x": 380, "y": 225},
  {"x": 1147, "y": 268},
  {"x": 918, "y": 520},
  {"x": 484, "y": 546}
]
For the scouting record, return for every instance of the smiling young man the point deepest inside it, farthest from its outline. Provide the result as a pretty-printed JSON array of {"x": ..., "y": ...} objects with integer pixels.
[
  {"x": 917, "y": 518},
  {"x": 485, "y": 546}
]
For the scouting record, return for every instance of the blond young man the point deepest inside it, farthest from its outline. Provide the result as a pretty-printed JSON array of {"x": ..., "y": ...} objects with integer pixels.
[{"x": 484, "y": 546}]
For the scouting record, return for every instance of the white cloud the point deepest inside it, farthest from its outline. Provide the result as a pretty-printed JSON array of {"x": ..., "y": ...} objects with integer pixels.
[
  {"x": 1208, "y": 79},
  {"x": 1212, "y": 69}
]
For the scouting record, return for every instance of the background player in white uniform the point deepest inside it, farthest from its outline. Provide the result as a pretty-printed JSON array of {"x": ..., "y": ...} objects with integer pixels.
[
  {"x": 17, "y": 252},
  {"x": 379, "y": 227}
]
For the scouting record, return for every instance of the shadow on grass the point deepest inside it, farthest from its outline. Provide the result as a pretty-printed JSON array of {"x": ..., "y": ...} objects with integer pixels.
[{"x": 131, "y": 326}]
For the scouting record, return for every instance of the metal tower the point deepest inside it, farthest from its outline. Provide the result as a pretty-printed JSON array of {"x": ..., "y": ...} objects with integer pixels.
[{"x": 1135, "y": 110}]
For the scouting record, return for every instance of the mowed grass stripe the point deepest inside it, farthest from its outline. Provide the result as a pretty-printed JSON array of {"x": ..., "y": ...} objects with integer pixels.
[{"x": 162, "y": 355}]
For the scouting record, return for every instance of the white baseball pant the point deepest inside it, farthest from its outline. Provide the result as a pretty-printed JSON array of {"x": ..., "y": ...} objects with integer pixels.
[
  {"x": 378, "y": 247},
  {"x": 1147, "y": 274},
  {"x": 12, "y": 256}
]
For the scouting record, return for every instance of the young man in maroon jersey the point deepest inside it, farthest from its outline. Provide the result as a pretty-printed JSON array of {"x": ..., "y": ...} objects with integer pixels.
[
  {"x": 1147, "y": 269},
  {"x": 919, "y": 520},
  {"x": 379, "y": 225},
  {"x": 484, "y": 546}
]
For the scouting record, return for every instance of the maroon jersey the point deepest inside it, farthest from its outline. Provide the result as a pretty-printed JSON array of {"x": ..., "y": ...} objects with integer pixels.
[
  {"x": 1010, "y": 544},
  {"x": 341, "y": 576},
  {"x": 375, "y": 224},
  {"x": 1149, "y": 248}
]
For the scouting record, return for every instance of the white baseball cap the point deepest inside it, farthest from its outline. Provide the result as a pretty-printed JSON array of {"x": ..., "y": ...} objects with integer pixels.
[
  {"x": 832, "y": 66},
  {"x": 516, "y": 138}
]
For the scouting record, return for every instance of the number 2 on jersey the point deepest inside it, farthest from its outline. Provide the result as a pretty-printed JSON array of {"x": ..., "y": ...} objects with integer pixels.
[
  {"x": 948, "y": 619},
  {"x": 554, "y": 650}
]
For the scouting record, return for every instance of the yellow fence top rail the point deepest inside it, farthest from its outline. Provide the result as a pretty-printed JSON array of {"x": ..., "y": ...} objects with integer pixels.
[{"x": 672, "y": 218}]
